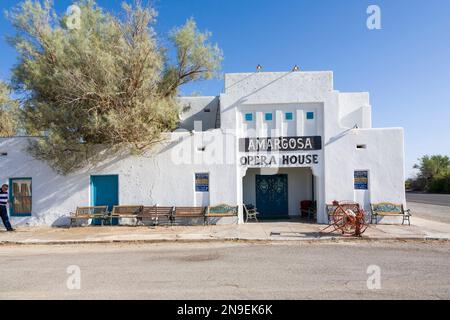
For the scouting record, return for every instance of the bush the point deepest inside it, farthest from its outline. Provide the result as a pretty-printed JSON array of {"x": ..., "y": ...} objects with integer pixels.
[
  {"x": 433, "y": 176},
  {"x": 439, "y": 185},
  {"x": 418, "y": 184}
]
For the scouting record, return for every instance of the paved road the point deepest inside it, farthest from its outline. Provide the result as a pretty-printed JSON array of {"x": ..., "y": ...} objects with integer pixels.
[
  {"x": 430, "y": 212},
  {"x": 435, "y": 199},
  {"x": 434, "y": 207},
  {"x": 228, "y": 271}
]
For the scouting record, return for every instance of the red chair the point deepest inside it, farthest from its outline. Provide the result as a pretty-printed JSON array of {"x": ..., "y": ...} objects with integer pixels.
[{"x": 307, "y": 209}]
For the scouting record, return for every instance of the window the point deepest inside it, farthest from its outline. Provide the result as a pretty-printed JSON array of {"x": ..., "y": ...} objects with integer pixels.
[
  {"x": 361, "y": 180},
  {"x": 289, "y": 116},
  {"x": 269, "y": 117},
  {"x": 20, "y": 196},
  {"x": 310, "y": 115},
  {"x": 361, "y": 146},
  {"x": 202, "y": 182},
  {"x": 249, "y": 117}
]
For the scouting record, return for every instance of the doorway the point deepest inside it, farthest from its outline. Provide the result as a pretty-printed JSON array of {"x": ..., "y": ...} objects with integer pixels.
[
  {"x": 272, "y": 196},
  {"x": 299, "y": 188},
  {"x": 104, "y": 192}
]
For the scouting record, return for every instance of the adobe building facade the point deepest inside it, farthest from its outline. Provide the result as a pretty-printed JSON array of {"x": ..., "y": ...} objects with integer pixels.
[{"x": 270, "y": 139}]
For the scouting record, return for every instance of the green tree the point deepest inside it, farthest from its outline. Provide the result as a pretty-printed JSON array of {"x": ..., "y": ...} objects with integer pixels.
[
  {"x": 433, "y": 166},
  {"x": 96, "y": 83},
  {"x": 8, "y": 112},
  {"x": 434, "y": 173},
  {"x": 440, "y": 185}
]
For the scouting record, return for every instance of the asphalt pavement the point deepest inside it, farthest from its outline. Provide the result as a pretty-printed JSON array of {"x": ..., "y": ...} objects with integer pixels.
[
  {"x": 434, "y": 207},
  {"x": 408, "y": 270},
  {"x": 430, "y": 212},
  {"x": 429, "y": 198}
]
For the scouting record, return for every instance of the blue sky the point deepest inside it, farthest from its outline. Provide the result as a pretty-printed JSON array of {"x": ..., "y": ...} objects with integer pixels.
[{"x": 405, "y": 66}]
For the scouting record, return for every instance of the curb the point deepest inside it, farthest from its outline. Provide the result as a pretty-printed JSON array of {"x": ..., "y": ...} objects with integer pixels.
[{"x": 224, "y": 240}]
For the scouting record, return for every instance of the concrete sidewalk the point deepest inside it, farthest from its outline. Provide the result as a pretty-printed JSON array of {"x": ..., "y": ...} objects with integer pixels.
[{"x": 273, "y": 231}]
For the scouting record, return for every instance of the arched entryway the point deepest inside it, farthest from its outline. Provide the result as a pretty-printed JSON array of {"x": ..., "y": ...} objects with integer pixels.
[{"x": 277, "y": 194}]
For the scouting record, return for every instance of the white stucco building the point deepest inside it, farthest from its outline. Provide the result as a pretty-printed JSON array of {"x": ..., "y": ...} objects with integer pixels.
[{"x": 270, "y": 139}]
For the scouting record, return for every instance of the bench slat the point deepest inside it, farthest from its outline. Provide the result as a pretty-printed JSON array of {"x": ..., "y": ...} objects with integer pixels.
[
  {"x": 126, "y": 211},
  {"x": 153, "y": 212},
  {"x": 388, "y": 213},
  {"x": 190, "y": 212},
  {"x": 164, "y": 211}
]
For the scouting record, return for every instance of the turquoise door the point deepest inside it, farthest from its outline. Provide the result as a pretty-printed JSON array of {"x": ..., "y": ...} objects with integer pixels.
[
  {"x": 272, "y": 196},
  {"x": 105, "y": 192}
]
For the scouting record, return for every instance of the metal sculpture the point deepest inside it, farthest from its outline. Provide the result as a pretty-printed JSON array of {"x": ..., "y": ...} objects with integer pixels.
[{"x": 348, "y": 218}]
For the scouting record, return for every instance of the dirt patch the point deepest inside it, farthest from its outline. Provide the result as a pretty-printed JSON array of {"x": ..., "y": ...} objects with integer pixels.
[{"x": 201, "y": 257}]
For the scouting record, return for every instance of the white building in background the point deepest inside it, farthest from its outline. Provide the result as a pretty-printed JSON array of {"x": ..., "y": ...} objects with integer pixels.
[{"x": 271, "y": 140}]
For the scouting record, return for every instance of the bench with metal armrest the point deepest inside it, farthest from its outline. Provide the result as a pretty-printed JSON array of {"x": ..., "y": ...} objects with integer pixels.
[
  {"x": 221, "y": 211},
  {"x": 155, "y": 214},
  {"x": 251, "y": 213},
  {"x": 85, "y": 213},
  {"x": 188, "y": 212},
  {"x": 387, "y": 209},
  {"x": 131, "y": 212}
]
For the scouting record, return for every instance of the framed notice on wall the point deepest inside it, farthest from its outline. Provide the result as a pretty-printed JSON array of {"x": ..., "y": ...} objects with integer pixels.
[
  {"x": 361, "y": 180},
  {"x": 202, "y": 182}
]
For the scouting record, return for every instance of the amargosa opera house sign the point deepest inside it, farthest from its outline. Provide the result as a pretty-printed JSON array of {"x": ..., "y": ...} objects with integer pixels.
[
  {"x": 283, "y": 144},
  {"x": 269, "y": 151}
]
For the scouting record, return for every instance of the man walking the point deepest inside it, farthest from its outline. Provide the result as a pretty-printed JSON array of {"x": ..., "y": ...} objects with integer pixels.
[{"x": 3, "y": 210}]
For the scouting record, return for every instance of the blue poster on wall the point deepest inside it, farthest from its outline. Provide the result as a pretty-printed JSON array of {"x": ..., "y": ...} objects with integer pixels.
[
  {"x": 202, "y": 182},
  {"x": 361, "y": 180}
]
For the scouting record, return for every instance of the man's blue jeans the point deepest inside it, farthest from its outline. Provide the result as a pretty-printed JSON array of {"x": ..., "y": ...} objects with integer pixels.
[{"x": 5, "y": 218}]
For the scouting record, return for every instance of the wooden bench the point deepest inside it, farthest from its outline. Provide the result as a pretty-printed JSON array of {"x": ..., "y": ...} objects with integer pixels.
[
  {"x": 221, "y": 211},
  {"x": 189, "y": 212},
  {"x": 119, "y": 212},
  {"x": 154, "y": 213},
  {"x": 387, "y": 209},
  {"x": 83, "y": 213}
]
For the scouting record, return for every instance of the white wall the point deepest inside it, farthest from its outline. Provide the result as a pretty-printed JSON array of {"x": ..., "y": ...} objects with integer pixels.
[
  {"x": 383, "y": 158},
  {"x": 271, "y": 88},
  {"x": 279, "y": 126},
  {"x": 194, "y": 109},
  {"x": 164, "y": 178},
  {"x": 355, "y": 109}
]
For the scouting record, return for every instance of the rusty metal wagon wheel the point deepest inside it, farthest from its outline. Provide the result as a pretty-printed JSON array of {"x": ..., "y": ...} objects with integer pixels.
[
  {"x": 349, "y": 227},
  {"x": 339, "y": 219},
  {"x": 363, "y": 224},
  {"x": 349, "y": 218}
]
